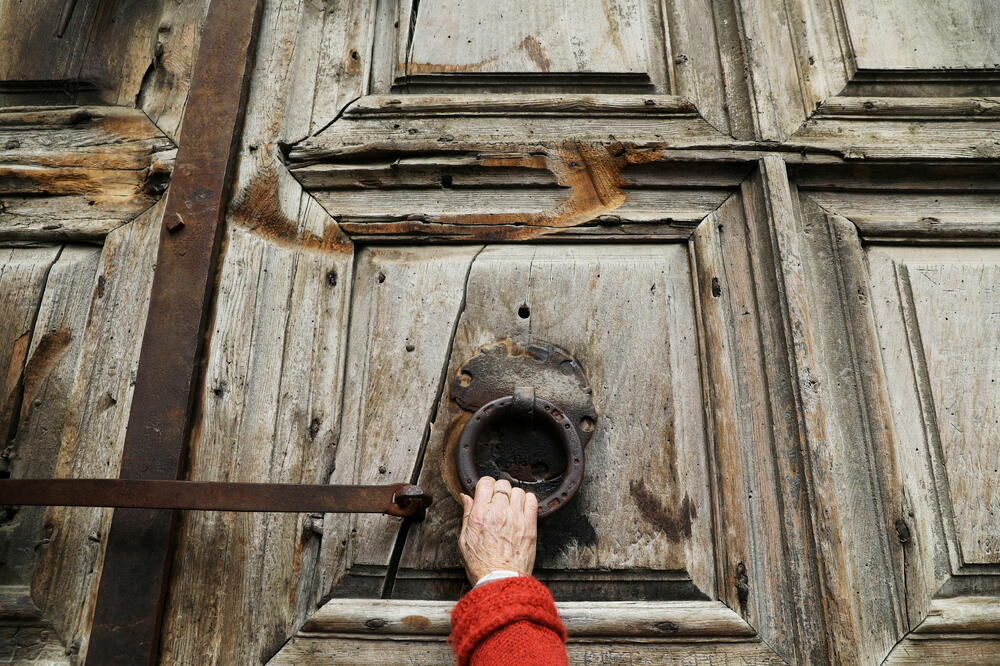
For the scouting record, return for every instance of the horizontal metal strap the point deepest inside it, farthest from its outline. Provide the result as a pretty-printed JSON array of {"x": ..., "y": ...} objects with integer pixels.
[{"x": 401, "y": 499}]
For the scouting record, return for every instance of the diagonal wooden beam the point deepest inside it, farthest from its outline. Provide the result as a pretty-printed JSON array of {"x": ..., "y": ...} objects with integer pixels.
[{"x": 135, "y": 574}]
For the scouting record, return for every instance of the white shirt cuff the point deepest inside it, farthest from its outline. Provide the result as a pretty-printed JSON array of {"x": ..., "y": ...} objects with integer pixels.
[{"x": 499, "y": 574}]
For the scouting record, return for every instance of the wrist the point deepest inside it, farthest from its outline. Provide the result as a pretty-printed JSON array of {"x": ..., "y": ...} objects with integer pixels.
[{"x": 495, "y": 575}]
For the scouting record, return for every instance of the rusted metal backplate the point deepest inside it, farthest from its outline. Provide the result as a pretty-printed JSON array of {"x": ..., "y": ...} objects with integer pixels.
[
  {"x": 401, "y": 499},
  {"x": 134, "y": 576},
  {"x": 517, "y": 449}
]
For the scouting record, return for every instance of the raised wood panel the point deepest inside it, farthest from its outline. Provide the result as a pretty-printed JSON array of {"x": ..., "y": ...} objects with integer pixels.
[
  {"x": 912, "y": 34},
  {"x": 616, "y": 45},
  {"x": 366, "y": 631},
  {"x": 135, "y": 53},
  {"x": 404, "y": 307},
  {"x": 640, "y": 525},
  {"x": 939, "y": 333}
]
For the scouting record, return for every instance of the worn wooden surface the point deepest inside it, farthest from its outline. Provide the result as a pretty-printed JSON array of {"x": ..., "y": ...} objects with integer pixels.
[
  {"x": 644, "y": 504},
  {"x": 365, "y": 632},
  {"x": 37, "y": 404},
  {"x": 406, "y": 303},
  {"x": 826, "y": 464},
  {"x": 579, "y": 46},
  {"x": 907, "y": 34},
  {"x": 78, "y": 172},
  {"x": 69, "y": 550}
]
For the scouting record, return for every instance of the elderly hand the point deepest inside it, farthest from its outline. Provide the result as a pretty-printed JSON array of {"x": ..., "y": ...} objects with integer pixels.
[{"x": 499, "y": 528}]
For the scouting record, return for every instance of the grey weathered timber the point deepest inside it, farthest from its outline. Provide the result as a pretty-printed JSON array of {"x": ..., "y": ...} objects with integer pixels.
[{"x": 816, "y": 180}]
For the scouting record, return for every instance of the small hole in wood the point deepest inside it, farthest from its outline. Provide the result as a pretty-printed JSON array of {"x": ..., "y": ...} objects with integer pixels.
[
  {"x": 446, "y": 180},
  {"x": 524, "y": 312}
]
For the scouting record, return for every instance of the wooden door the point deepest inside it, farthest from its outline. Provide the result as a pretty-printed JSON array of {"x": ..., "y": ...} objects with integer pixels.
[{"x": 767, "y": 233}]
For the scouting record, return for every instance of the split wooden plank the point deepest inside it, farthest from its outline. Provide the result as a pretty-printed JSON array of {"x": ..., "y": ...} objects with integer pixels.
[
  {"x": 269, "y": 413},
  {"x": 644, "y": 505},
  {"x": 68, "y": 565},
  {"x": 45, "y": 394},
  {"x": 78, "y": 172},
  {"x": 405, "y": 306},
  {"x": 23, "y": 273}
]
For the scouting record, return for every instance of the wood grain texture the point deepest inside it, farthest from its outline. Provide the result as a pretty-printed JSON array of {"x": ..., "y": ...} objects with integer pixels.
[
  {"x": 414, "y": 632},
  {"x": 69, "y": 552},
  {"x": 44, "y": 392},
  {"x": 270, "y": 411},
  {"x": 354, "y": 650},
  {"x": 578, "y": 46},
  {"x": 766, "y": 548},
  {"x": 78, "y": 172},
  {"x": 23, "y": 273},
  {"x": 406, "y": 302},
  {"x": 959, "y": 34},
  {"x": 644, "y": 504},
  {"x": 847, "y": 429},
  {"x": 930, "y": 420}
]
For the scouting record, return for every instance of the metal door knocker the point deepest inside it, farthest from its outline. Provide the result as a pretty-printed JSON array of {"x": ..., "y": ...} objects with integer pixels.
[{"x": 532, "y": 415}]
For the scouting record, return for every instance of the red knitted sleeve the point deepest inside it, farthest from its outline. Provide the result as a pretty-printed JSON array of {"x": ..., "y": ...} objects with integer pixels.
[{"x": 510, "y": 621}]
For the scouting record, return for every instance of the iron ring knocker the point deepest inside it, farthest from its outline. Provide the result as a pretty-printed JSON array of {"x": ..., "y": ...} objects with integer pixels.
[{"x": 561, "y": 426}]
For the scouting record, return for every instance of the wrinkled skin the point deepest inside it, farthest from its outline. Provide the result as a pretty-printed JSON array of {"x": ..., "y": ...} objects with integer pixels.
[{"x": 498, "y": 530}]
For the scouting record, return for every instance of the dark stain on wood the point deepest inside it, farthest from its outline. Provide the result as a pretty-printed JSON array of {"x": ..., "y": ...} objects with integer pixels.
[
  {"x": 257, "y": 209},
  {"x": 536, "y": 52},
  {"x": 674, "y": 522},
  {"x": 24, "y": 380},
  {"x": 415, "y": 622},
  {"x": 568, "y": 526}
]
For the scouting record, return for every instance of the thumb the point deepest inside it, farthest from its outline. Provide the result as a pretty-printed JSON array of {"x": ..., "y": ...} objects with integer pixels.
[{"x": 466, "y": 505}]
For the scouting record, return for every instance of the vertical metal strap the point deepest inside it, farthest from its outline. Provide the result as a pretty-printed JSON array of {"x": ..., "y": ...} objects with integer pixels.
[{"x": 137, "y": 558}]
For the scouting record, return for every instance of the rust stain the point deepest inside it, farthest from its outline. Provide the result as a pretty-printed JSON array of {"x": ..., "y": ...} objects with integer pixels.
[
  {"x": 591, "y": 171},
  {"x": 12, "y": 381},
  {"x": 416, "y": 622},
  {"x": 674, "y": 522},
  {"x": 51, "y": 346},
  {"x": 536, "y": 52},
  {"x": 257, "y": 209}
]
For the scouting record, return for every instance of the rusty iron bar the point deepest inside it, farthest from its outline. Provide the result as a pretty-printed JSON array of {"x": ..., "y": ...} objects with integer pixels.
[
  {"x": 401, "y": 499},
  {"x": 135, "y": 574}
]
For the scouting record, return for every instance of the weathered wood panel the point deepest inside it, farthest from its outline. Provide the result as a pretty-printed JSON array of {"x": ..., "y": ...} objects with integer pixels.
[
  {"x": 910, "y": 34},
  {"x": 41, "y": 399},
  {"x": 449, "y": 42},
  {"x": 365, "y": 632},
  {"x": 78, "y": 172},
  {"x": 935, "y": 313},
  {"x": 68, "y": 565},
  {"x": 405, "y": 305},
  {"x": 22, "y": 282},
  {"x": 644, "y": 508},
  {"x": 269, "y": 413},
  {"x": 763, "y": 530}
]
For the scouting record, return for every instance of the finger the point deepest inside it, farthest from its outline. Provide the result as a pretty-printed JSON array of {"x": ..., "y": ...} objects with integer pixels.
[
  {"x": 466, "y": 506},
  {"x": 531, "y": 509},
  {"x": 501, "y": 492},
  {"x": 517, "y": 501},
  {"x": 484, "y": 490}
]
